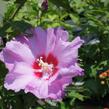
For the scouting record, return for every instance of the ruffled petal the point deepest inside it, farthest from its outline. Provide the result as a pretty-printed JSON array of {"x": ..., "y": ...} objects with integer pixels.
[
  {"x": 9, "y": 58},
  {"x": 38, "y": 87},
  {"x": 73, "y": 71},
  {"x": 53, "y": 35},
  {"x": 22, "y": 39},
  {"x": 37, "y": 42},
  {"x": 67, "y": 52},
  {"x": 15, "y": 51},
  {"x": 56, "y": 88},
  {"x": 61, "y": 34},
  {"x": 51, "y": 40},
  {"x": 19, "y": 77}
]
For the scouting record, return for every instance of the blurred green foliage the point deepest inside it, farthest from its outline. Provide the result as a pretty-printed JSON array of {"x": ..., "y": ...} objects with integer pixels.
[{"x": 86, "y": 18}]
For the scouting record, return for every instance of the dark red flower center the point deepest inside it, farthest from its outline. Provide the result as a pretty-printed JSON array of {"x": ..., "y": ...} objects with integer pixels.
[{"x": 45, "y": 66}]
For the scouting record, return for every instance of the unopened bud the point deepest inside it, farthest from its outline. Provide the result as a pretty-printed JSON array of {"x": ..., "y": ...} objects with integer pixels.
[{"x": 44, "y": 5}]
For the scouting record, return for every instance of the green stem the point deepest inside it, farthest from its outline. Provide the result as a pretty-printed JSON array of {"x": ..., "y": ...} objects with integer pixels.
[{"x": 17, "y": 10}]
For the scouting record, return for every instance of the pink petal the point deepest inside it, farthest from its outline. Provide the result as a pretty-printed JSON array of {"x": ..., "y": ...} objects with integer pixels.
[
  {"x": 56, "y": 89},
  {"x": 73, "y": 70},
  {"x": 53, "y": 35},
  {"x": 38, "y": 87},
  {"x": 51, "y": 40},
  {"x": 9, "y": 58},
  {"x": 60, "y": 33},
  {"x": 19, "y": 77},
  {"x": 15, "y": 51},
  {"x": 37, "y": 43},
  {"x": 67, "y": 52}
]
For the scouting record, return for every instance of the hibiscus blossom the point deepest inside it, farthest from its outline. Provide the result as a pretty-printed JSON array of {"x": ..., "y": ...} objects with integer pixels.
[{"x": 43, "y": 64}]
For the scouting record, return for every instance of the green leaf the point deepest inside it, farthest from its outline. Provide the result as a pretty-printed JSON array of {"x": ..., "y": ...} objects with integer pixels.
[
  {"x": 61, "y": 3},
  {"x": 3, "y": 7},
  {"x": 74, "y": 94}
]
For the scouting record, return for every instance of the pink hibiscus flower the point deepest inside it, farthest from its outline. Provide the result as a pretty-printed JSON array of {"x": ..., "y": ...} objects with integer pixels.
[{"x": 43, "y": 64}]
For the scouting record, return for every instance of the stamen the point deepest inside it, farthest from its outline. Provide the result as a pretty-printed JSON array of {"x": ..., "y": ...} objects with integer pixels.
[
  {"x": 45, "y": 67},
  {"x": 37, "y": 70}
]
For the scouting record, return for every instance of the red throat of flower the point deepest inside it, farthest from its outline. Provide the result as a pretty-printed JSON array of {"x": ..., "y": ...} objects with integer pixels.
[{"x": 45, "y": 66}]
